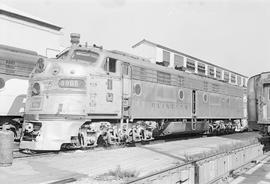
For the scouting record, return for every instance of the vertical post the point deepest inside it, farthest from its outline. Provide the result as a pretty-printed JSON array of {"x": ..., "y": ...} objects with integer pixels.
[
  {"x": 197, "y": 173},
  {"x": 6, "y": 146}
]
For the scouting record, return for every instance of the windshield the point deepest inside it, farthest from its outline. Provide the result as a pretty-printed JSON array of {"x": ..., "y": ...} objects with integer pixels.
[
  {"x": 63, "y": 54},
  {"x": 85, "y": 55}
]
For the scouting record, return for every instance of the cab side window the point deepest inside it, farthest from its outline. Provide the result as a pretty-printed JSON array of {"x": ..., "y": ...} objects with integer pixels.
[{"x": 110, "y": 65}]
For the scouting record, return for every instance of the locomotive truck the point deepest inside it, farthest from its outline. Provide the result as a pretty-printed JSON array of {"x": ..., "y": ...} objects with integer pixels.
[{"x": 89, "y": 96}]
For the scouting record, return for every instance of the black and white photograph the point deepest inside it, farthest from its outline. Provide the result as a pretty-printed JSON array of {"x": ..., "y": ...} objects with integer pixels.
[{"x": 134, "y": 92}]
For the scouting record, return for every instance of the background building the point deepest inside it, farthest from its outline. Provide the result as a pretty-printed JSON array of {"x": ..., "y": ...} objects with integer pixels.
[
  {"x": 21, "y": 30},
  {"x": 157, "y": 53}
]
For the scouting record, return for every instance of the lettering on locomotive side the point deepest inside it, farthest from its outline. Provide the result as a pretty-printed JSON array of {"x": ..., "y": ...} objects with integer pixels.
[{"x": 164, "y": 105}]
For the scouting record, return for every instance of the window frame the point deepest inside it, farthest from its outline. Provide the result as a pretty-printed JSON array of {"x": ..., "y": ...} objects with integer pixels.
[
  {"x": 180, "y": 60},
  {"x": 211, "y": 71},
  {"x": 191, "y": 65},
  {"x": 74, "y": 54},
  {"x": 201, "y": 68},
  {"x": 226, "y": 76},
  {"x": 233, "y": 78},
  {"x": 219, "y": 72},
  {"x": 107, "y": 65},
  {"x": 166, "y": 55}
]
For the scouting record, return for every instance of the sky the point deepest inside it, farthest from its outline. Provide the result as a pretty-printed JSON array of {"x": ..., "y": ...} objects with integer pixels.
[{"x": 234, "y": 34}]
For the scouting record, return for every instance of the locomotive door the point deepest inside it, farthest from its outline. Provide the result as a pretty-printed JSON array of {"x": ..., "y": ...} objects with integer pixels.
[
  {"x": 266, "y": 104},
  {"x": 193, "y": 102},
  {"x": 193, "y": 108},
  {"x": 126, "y": 89}
]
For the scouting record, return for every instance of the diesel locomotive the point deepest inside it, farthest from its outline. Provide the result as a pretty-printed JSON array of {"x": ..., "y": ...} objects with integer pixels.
[
  {"x": 89, "y": 96},
  {"x": 15, "y": 66}
]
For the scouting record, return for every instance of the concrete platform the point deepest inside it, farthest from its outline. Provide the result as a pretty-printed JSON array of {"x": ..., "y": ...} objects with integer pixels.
[
  {"x": 259, "y": 174},
  {"x": 144, "y": 159}
]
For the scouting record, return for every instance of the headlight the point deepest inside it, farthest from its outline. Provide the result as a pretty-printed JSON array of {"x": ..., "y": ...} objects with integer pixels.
[
  {"x": 32, "y": 126},
  {"x": 35, "y": 89},
  {"x": 29, "y": 127},
  {"x": 40, "y": 65},
  {"x": 71, "y": 83}
]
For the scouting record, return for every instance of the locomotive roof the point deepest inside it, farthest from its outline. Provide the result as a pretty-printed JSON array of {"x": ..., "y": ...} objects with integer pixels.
[{"x": 181, "y": 53}]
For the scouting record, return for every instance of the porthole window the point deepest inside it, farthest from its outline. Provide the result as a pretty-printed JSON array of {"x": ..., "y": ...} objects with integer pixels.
[
  {"x": 205, "y": 98},
  {"x": 2, "y": 83},
  {"x": 35, "y": 89},
  {"x": 223, "y": 100},
  {"x": 181, "y": 94},
  {"x": 137, "y": 89}
]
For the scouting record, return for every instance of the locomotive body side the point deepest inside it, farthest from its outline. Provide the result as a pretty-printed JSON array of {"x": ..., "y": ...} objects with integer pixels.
[
  {"x": 152, "y": 92},
  {"x": 213, "y": 99},
  {"x": 192, "y": 100}
]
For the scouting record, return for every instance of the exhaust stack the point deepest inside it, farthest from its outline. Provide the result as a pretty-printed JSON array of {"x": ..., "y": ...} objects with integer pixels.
[{"x": 75, "y": 38}]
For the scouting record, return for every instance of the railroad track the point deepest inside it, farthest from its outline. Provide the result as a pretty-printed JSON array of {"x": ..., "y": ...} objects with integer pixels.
[
  {"x": 27, "y": 153},
  {"x": 17, "y": 154}
]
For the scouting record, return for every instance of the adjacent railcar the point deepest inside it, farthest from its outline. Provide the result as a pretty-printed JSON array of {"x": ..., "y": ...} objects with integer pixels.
[
  {"x": 89, "y": 96},
  {"x": 15, "y": 66},
  {"x": 259, "y": 102}
]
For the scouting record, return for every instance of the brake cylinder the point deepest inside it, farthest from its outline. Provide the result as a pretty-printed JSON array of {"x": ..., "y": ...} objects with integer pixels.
[{"x": 6, "y": 147}]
